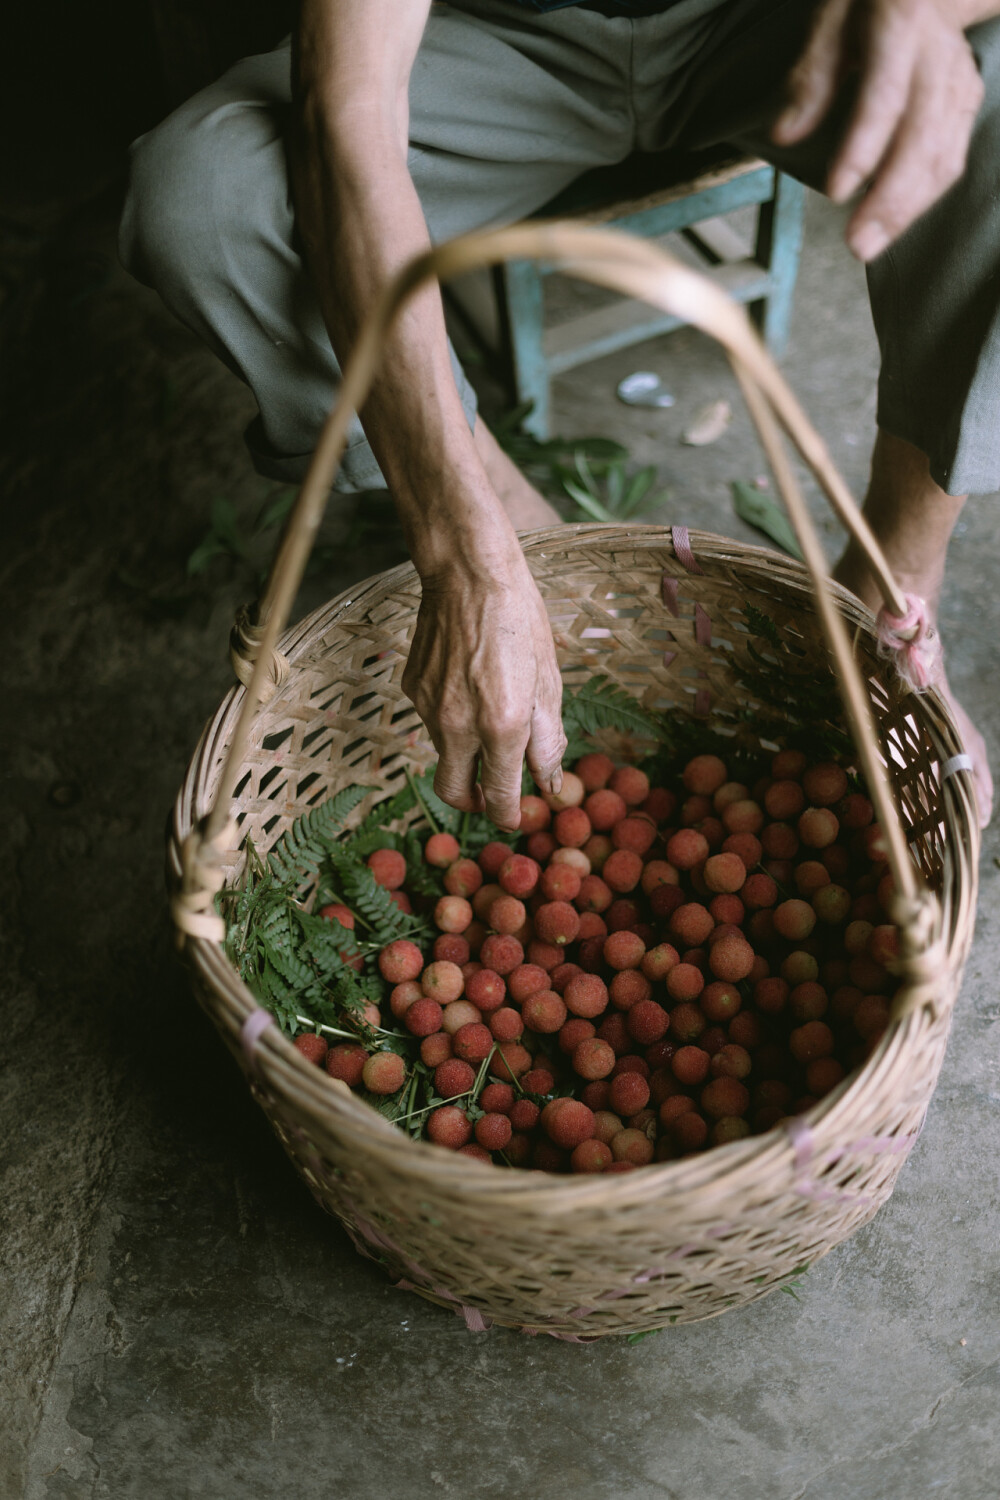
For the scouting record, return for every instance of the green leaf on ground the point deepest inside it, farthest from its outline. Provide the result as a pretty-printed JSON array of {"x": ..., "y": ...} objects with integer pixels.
[{"x": 765, "y": 514}]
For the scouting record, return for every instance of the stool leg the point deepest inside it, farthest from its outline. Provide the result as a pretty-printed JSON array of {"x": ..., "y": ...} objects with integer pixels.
[
  {"x": 523, "y": 316},
  {"x": 779, "y": 245}
]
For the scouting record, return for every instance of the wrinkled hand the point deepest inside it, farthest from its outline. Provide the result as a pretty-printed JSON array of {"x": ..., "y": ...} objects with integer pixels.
[
  {"x": 482, "y": 674},
  {"x": 918, "y": 95}
]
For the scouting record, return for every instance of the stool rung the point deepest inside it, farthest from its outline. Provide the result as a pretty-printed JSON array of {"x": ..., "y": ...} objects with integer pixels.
[{"x": 627, "y": 321}]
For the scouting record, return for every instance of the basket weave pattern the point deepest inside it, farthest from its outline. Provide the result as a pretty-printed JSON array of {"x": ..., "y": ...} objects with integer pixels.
[{"x": 583, "y": 1257}]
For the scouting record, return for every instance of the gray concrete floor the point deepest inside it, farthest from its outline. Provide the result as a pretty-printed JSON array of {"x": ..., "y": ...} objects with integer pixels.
[{"x": 177, "y": 1320}]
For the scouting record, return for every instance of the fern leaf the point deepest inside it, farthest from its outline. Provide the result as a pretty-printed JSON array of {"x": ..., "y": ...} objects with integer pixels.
[
  {"x": 301, "y": 850},
  {"x": 601, "y": 704}
]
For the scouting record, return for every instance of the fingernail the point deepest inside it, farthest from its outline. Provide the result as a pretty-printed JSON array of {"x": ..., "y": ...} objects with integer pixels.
[
  {"x": 868, "y": 241},
  {"x": 845, "y": 184},
  {"x": 556, "y": 781}
]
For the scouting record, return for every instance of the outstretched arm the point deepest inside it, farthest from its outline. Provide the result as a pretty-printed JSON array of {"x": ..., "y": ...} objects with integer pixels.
[{"x": 482, "y": 669}]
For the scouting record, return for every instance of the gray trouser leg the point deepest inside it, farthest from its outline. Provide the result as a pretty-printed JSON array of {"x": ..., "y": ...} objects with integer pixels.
[{"x": 499, "y": 123}]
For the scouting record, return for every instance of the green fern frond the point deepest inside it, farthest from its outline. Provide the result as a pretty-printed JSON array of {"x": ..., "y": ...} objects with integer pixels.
[
  {"x": 301, "y": 850},
  {"x": 600, "y": 703}
]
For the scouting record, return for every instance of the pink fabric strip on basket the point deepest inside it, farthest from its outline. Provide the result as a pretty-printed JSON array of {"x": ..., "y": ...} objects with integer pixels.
[
  {"x": 911, "y": 642},
  {"x": 681, "y": 538},
  {"x": 807, "y": 1164},
  {"x": 251, "y": 1031}
]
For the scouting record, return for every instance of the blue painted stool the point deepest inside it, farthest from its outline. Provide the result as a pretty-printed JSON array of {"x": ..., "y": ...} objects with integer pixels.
[{"x": 634, "y": 196}]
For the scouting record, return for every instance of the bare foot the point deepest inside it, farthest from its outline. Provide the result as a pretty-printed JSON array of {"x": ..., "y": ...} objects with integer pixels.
[
  {"x": 854, "y": 576},
  {"x": 525, "y": 507}
]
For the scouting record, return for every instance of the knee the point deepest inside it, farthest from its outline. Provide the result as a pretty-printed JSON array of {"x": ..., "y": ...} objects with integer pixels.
[
  {"x": 169, "y": 184},
  {"x": 195, "y": 184}
]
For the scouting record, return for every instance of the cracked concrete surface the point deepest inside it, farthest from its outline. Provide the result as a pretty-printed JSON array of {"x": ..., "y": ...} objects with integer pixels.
[{"x": 179, "y": 1322}]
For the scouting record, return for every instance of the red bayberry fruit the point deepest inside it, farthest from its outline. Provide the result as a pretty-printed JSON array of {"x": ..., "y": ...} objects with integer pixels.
[
  {"x": 595, "y": 770},
  {"x": 593, "y": 1059},
  {"x": 685, "y": 981},
  {"x": 449, "y": 1126},
  {"x": 452, "y": 914},
  {"x": 540, "y": 847},
  {"x": 473, "y": 1042},
  {"x": 502, "y": 953},
  {"x": 454, "y": 948},
  {"x": 510, "y": 1059},
  {"x": 384, "y": 1073},
  {"x": 570, "y": 794},
  {"x": 543, "y": 1012},
  {"x": 818, "y": 827},
  {"x": 497, "y": 1098},
  {"x": 400, "y": 960},
  {"x": 725, "y": 1096},
  {"x": 313, "y": 1048},
  {"x": 628, "y": 987},
  {"x": 435, "y": 1049},
  {"x": 825, "y": 784},
  {"x": 547, "y": 956},
  {"x": 493, "y": 1132},
  {"x": 423, "y": 1017},
  {"x": 612, "y": 1030},
  {"x": 832, "y": 904},
  {"x": 647, "y": 1022},
  {"x": 624, "y": 950},
  {"x": 622, "y": 871},
  {"x": 442, "y": 981},
  {"x": 631, "y": 784},
  {"x": 507, "y": 915},
  {"x": 690, "y": 1065},
  {"x": 794, "y": 920},
  {"x": 731, "y": 1061},
  {"x": 632, "y": 1147},
  {"x": 687, "y": 848},
  {"x": 659, "y": 804},
  {"x": 594, "y": 894},
  {"x": 388, "y": 868},
  {"x": 486, "y": 990},
  {"x": 731, "y": 958},
  {"x": 535, "y": 815},
  {"x": 704, "y": 774},
  {"x": 571, "y": 827},
  {"x": 441, "y": 850},
  {"x": 557, "y": 922},
  {"x": 524, "y": 1114},
  {"x": 574, "y": 1031},
  {"x": 719, "y": 1001},
  {"x": 784, "y": 800},
  {"x": 814, "y": 1039},
  {"x": 453, "y": 1077},
  {"x": 567, "y": 1122},
  {"x": 771, "y": 995},
  {"x": 590, "y": 1156},
  {"x": 725, "y": 873},
  {"x": 586, "y": 995},
  {"x": 629, "y": 1093},
  {"x": 658, "y": 961},
  {"x": 505, "y": 1024}
]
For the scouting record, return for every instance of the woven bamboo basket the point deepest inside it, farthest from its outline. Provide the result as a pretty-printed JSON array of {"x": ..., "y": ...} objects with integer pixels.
[{"x": 663, "y": 613}]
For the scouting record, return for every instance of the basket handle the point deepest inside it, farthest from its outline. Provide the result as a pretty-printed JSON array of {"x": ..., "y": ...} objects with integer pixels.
[{"x": 639, "y": 269}]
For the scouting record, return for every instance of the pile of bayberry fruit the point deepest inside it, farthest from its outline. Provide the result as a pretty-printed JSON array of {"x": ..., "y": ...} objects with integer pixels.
[{"x": 650, "y": 973}]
